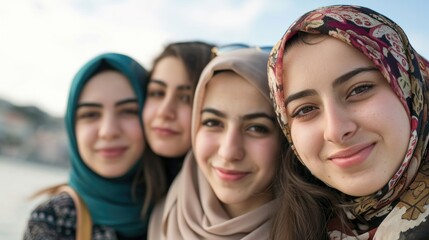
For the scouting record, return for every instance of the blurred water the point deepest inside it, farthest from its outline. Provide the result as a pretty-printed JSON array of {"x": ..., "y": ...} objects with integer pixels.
[{"x": 18, "y": 180}]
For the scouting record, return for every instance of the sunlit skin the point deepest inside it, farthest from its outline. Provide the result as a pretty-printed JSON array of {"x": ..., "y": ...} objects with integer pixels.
[
  {"x": 348, "y": 126},
  {"x": 168, "y": 107},
  {"x": 108, "y": 129},
  {"x": 237, "y": 145}
]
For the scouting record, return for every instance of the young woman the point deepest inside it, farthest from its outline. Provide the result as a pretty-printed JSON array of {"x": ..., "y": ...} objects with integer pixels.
[
  {"x": 167, "y": 111},
  {"x": 108, "y": 156},
  {"x": 351, "y": 96},
  {"x": 224, "y": 190}
]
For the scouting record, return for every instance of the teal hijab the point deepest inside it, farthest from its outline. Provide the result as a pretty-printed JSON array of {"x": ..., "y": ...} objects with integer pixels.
[{"x": 111, "y": 201}]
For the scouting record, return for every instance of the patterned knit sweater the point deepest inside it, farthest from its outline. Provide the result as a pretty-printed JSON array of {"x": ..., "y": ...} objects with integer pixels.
[{"x": 55, "y": 219}]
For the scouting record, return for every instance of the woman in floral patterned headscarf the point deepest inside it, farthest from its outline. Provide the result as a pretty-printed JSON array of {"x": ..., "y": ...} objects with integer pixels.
[{"x": 351, "y": 96}]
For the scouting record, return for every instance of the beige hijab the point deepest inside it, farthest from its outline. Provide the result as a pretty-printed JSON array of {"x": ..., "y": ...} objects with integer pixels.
[{"x": 191, "y": 209}]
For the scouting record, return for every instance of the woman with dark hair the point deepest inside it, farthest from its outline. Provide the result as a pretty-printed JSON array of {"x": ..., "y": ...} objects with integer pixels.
[
  {"x": 351, "y": 95},
  {"x": 167, "y": 111}
]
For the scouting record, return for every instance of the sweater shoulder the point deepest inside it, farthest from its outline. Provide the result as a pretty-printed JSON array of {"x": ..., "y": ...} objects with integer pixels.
[{"x": 53, "y": 219}]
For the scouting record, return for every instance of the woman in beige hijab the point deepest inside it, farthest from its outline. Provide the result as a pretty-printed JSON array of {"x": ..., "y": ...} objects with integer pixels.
[{"x": 225, "y": 189}]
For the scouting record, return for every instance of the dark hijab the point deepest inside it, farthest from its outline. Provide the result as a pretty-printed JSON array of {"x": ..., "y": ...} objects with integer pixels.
[{"x": 110, "y": 200}]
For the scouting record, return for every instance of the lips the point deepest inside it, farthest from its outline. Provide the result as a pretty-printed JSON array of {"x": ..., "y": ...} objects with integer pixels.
[
  {"x": 164, "y": 131},
  {"x": 352, "y": 156},
  {"x": 230, "y": 175},
  {"x": 112, "y": 152}
]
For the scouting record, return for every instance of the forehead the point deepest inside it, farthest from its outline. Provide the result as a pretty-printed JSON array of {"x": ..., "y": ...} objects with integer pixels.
[
  {"x": 229, "y": 91},
  {"x": 323, "y": 59},
  {"x": 107, "y": 85},
  {"x": 171, "y": 71}
]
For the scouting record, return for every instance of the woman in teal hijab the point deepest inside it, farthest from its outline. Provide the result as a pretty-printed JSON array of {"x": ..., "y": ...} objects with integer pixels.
[{"x": 113, "y": 173}]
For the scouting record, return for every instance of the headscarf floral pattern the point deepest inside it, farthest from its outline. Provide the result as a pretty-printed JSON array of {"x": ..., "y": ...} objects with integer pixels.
[{"x": 402, "y": 203}]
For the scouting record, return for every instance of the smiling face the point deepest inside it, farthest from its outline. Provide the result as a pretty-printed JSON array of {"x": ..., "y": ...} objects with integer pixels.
[
  {"x": 348, "y": 127},
  {"x": 168, "y": 107},
  {"x": 108, "y": 129},
  {"x": 237, "y": 143}
]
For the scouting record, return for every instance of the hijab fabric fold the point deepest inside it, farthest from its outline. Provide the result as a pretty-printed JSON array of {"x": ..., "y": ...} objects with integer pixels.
[
  {"x": 110, "y": 200},
  {"x": 400, "y": 209},
  {"x": 191, "y": 209}
]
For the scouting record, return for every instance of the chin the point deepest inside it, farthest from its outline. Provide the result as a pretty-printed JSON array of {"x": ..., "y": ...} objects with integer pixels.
[
  {"x": 229, "y": 198},
  {"x": 170, "y": 154},
  {"x": 360, "y": 192},
  {"x": 111, "y": 174}
]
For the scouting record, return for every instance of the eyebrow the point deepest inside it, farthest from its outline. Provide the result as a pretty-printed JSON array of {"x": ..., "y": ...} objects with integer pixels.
[
  {"x": 180, "y": 87},
  {"x": 80, "y": 105},
  {"x": 347, "y": 76},
  {"x": 98, "y": 105},
  {"x": 125, "y": 101},
  {"x": 338, "y": 81},
  {"x": 259, "y": 115},
  {"x": 213, "y": 111},
  {"x": 246, "y": 117}
]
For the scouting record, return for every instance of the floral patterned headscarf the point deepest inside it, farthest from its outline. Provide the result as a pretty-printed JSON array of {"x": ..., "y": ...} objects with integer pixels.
[{"x": 398, "y": 210}]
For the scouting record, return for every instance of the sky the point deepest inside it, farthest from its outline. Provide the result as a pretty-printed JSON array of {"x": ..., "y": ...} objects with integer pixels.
[{"x": 43, "y": 43}]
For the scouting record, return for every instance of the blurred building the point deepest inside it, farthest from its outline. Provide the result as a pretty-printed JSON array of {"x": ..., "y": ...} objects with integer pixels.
[{"x": 30, "y": 134}]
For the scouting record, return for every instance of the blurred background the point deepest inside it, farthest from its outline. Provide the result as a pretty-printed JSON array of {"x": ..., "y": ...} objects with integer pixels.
[{"x": 44, "y": 42}]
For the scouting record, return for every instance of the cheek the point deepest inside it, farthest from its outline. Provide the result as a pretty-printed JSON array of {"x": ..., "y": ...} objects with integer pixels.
[
  {"x": 205, "y": 147},
  {"x": 149, "y": 111},
  {"x": 306, "y": 139},
  {"x": 267, "y": 153},
  {"x": 85, "y": 135},
  {"x": 392, "y": 123},
  {"x": 133, "y": 130},
  {"x": 185, "y": 115}
]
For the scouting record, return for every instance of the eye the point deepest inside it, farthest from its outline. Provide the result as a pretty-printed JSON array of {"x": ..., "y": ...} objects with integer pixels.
[
  {"x": 360, "y": 89},
  {"x": 129, "y": 111},
  {"x": 211, "y": 123},
  {"x": 303, "y": 111},
  {"x": 88, "y": 115},
  {"x": 262, "y": 129},
  {"x": 156, "y": 93}
]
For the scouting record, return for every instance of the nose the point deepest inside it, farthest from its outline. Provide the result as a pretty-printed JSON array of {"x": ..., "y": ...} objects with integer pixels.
[
  {"x": 232, "y": 146},
  {"x": 109, "y": 127},
  {"x": 167, "y": 109},
  {"x": 339, "y": 124}
]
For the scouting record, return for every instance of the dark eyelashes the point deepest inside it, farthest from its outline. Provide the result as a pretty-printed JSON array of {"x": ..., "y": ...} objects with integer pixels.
[{"x": 361, "y": 88}]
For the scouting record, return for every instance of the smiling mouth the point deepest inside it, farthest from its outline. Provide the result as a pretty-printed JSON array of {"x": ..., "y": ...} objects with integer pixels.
[
  {"x": 230, "y": 175},
  {"x": 164, "y": 131},
  {"x": 352, "y": 157},
  {"x": 112, "y": 152}
]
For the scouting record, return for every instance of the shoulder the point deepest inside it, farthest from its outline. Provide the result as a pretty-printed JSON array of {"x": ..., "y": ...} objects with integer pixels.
[
  {"x": 56, "y": 219},
  {"x": 53, "y": 219},
  {"x": 57, "y": 206},
  {"x": 155, "y": 223}
]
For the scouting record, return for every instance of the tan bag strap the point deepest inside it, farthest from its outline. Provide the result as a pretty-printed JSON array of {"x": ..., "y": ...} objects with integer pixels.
[{"x": 83, "y": 218}]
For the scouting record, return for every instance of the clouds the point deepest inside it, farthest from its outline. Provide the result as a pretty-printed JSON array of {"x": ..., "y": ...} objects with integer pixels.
[
  {"x": 226, "y": 14},
  {"x": 44, "y": 42}
]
